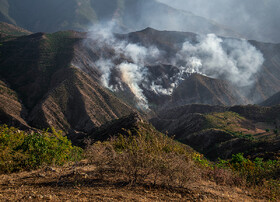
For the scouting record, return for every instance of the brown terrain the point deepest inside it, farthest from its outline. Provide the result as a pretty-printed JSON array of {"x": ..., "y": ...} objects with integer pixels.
[
  {"x": 48, "y": 90},
  {"x": 79, "y": 183}
]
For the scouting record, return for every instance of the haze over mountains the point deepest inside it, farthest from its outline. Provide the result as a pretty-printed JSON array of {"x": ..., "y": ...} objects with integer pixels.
[
  {"x": 253, "y": 19},
  {"x": 80, "y": 15}
]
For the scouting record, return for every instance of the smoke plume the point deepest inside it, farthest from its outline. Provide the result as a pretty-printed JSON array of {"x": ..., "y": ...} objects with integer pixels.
[
  {"x": 125, "y": 65},
  {"x": 234, "y": 60},
  {"x": 131, "y": 71}
]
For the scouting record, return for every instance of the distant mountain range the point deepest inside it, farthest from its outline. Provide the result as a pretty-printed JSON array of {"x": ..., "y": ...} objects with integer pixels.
[{"x": 80, "y": 15}]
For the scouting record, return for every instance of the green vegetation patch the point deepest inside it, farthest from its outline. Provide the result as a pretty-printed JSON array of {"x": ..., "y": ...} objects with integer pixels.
[
  {"x": 225, "y": 120},
  {"x": 20, "y": 150},
  {"x": 258, "y": 173},
  {"x": 230, "y": 122}
]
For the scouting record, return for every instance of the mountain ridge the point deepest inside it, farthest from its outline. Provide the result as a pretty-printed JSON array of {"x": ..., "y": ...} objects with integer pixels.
[
  {"x": 50, "y": 90},
  {"x": 81, "y": 15}
]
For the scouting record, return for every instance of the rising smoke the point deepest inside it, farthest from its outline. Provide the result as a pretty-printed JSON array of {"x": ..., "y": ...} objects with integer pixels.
[
  {"x": 236, "y": 61},
  {"x": 132, "y": 73}
]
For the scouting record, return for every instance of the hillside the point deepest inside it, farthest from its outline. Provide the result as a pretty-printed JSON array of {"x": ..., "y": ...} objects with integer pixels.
[
  {"x": 37, "y": 75},
  {"x": 204, "y": 90},
  {"x": 49, "y": 74},
  {"x": 142, "y": 164},
  {"x": 80, "y": 15},
  {"x": 136, "y": 162},
  {"x": 219, "y": 132}
]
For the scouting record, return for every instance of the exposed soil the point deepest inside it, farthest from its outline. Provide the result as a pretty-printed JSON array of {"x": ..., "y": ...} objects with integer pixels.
[{"x": 79, "y": 183}]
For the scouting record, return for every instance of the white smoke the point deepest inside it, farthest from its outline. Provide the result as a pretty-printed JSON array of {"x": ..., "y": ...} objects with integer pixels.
[
  {"x": 234, "y": 60},
  {"x": 230, "y": 59},
  {"x": 133, "y": 72},
  {"x": 105, "y": 66},
  {"x": 133, "y": 75}
]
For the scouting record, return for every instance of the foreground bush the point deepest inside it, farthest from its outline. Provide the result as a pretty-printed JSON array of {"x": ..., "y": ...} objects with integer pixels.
[
  {"x": 152, "y": 158},
  {"x": 19, "y": 150},
  {"x": 256, "y": 173}
]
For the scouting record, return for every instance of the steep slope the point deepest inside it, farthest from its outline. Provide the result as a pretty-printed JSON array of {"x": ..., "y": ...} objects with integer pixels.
[
  {"x": 205, "y": 90},
  {"x": 268, "y": 79},
  {"x": 218, "y": 131},
  {"x": 55, "y": 15},
  {"x": 273, "y": 100},
  {"x": 12, "y": 112},
  {"x": 76, "y": 104},
  {"x": 37, "y": 68}
]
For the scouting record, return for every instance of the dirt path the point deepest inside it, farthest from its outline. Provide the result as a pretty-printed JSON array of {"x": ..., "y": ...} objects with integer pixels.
[{"x": 79, "y": 184}]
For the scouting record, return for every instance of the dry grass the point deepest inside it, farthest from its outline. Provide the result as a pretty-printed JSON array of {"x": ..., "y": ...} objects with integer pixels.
[
  {"x": 154, "y": 159},
  {"x": 80, "y": 183}
]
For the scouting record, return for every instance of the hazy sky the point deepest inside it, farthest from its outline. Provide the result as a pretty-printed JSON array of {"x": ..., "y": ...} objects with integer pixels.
[{"x": 254, "y": 19}]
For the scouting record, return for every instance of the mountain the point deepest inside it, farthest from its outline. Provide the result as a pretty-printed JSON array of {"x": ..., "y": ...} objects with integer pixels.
[
  {"x": 267, "y": 80},
  {"x": 195, "y": 88},
  {"x": 40, "y": 88},
  {"x": 273, "y": 100},
  {"x": 204, "y": 90},
  {"x": 219, "y": 132},
  {"x": 80, "y": 15},
  {"x": 59, "y": 79},
  {"x": 162, "y": 73}
]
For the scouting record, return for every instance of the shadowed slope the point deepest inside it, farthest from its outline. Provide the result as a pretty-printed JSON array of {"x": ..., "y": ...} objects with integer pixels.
[
  {"x": 273, "y": 100},
  {"x": 38, "y": 69}
]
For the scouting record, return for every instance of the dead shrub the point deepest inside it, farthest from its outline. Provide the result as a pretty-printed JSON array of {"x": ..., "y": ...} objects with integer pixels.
[
  {"x": 222, "y": 176},
  {"x": 148, "y": 158}
]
